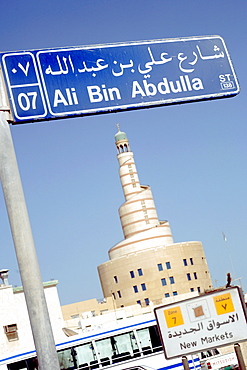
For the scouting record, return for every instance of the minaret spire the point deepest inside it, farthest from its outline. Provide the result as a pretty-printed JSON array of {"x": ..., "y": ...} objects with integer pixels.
[
  {"x": 138, "y": 213},
  {"x": 127, "y": 168}
]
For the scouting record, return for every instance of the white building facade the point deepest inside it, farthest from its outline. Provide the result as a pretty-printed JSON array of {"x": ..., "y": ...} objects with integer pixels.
[{"x": 15, "y": 330}]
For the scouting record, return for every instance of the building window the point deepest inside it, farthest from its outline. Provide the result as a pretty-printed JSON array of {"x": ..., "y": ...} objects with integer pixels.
[
  {"x": 115, "y": 279},
  {"x": 160, "y": 267},
  {"x": 113, "y": 295},
  {"x": 195, "y": 275},
  {"x": 191, "y": 261},
  {"x": 174, "y": 293},
  {"x": 199, "y": 289},
  {"x": 75, "y": 316},
  {"x": 146, "y": 219},
  {"x": 140, "y": 273},
  {"x": 185, "y": 262},
  {"x": 139, "y": 302},
  {"x": 119, "y": 294},
  {"x": 192, "y": 289},
  {"x": 163, "y": 281},
  {"x": 143, "y": 286},
  {"x": 172, "y": 281},
  {"x": 146, "y": 300},
  {"x": 167, "y": 295},
  {"x": 188, "y": 276},
  {"x": 168, "y": 265},
  {"x": 135, "y": 287},
  {"x": 11, "y": 332},
  {"x": 133, "y": 183},
  {"x": 132, "y": 274}
]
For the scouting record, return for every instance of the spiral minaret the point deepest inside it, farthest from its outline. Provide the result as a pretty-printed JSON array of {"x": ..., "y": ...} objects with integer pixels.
[
  {"x": 140, "y": 224},
  {"x": 147, "y": 266}
]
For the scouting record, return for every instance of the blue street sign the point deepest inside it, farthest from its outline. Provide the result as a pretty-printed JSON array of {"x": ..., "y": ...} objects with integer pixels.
[{"x": 78, "y": 81}]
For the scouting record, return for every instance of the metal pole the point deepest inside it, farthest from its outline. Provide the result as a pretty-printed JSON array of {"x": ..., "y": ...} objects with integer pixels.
[
  {"x": 239, "y": 355},
  {"x": 185, "y": 363},
  {"x": 25, "y": 251}
]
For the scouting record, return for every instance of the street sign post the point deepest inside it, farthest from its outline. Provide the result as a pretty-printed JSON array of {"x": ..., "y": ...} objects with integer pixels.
[
  {"x": 25, "y": 249},
  {"x": 200, "y": 323},
  {"x": 77, "y": 81}
]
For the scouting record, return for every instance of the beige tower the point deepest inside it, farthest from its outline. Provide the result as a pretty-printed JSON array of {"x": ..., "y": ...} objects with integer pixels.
[{"x": 147, "y": 266}]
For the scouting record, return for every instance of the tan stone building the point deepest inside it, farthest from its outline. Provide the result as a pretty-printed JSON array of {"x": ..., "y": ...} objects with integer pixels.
[{"x": 147, "y": 265}]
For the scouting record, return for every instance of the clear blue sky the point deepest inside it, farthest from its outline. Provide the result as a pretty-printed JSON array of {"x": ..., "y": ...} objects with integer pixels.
[{"x": 194, "y": 156}]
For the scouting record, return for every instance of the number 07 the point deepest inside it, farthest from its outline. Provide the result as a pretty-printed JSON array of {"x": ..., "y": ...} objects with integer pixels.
[{"x": 28, "y": 100}]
